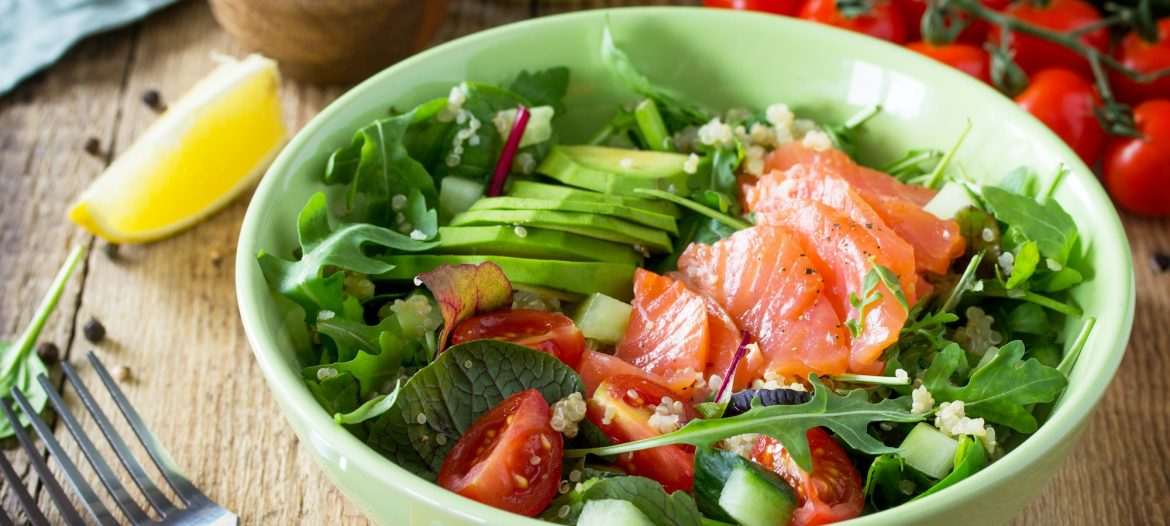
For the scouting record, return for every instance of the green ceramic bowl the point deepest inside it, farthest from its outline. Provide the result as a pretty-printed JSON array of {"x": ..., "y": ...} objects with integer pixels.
[{"x": 720, "y": 59}]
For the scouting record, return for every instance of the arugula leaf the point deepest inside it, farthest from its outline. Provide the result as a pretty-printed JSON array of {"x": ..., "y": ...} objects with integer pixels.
[
  {"x": 870, "y": 295},
  {"x": 353, "y": 336},
  {"x": 342, "y": 248},
  {"x": 19, "y": 366},
  {"x": 452, "y": 392},
  {"x": 466, "y": 290},
  {"x": 1024, "y": 264},
  {"x": 913, "y": 165},
  {"x": 373, "y": 408},
  {"x": 420, "y": 217},
  {"x": 543, "y": 88},
  {"x": 1046, "y": 223},
  {"x": 1000, "y": 390},
  {"x": 675, "y": 112},
  {"x": 378, "y": 166},
  {"x": 847, "y": 416},
  {"x": 674, "y": 509},
  {"x": 845, "y": 135},
  {"x": 1020, "y": 181}
]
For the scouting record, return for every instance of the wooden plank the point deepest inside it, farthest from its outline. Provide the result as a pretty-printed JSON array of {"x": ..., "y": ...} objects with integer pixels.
[{"x": 44, "y": 125}]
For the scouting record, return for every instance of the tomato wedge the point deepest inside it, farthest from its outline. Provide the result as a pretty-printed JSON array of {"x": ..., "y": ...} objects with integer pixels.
[
  {"x": 831, "y": 493},
  {"x": 545, "y": 331},
  {"x": 508, "y": 459},
  {"x": 621, "y": 407}
]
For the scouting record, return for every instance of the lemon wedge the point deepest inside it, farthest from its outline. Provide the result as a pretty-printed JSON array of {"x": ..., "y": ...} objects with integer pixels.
[{"x": 201, "y": 153}]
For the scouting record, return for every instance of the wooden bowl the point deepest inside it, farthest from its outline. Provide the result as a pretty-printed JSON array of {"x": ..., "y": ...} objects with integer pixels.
[{"x": 332, "y": 41}]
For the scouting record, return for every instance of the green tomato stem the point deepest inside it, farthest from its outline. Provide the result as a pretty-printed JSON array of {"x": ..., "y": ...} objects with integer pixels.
[{"x": 20, "y": 348}]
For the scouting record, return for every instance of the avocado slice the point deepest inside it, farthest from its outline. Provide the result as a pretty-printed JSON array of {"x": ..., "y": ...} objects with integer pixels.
[
  {"x": 575, "y": 279},
  {"x": 536, "y": 243},
  {"x": 633, "y": 215},
  {"x": 567, "y": 193},
  {"x": 616, "y": 171},
  {"x": 591, "y": 225}
]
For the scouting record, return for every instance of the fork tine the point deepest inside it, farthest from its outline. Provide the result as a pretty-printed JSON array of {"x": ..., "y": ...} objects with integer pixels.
[
  {"x": 109, "y": 479},
  {"x": 88, "y": 497},
  {"x": 5, "y": 520},
  {"x": 162, "y": 459},
  {"x": 26, "y": 501},
  {"x": 153, "y": 495}
]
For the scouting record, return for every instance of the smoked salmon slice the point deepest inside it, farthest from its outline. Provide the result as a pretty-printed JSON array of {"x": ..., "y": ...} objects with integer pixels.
[
  {"x": 763, "y": 279},
  {"x": 843, "y": 252},
  {"x": 668, "y": 333},
  {"x": 936, "y": 241},
  {"x": 776, "y": 190}
]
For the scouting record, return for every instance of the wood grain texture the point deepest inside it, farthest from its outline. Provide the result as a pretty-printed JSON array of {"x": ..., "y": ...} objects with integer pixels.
[{"x": 170, "y": 310}]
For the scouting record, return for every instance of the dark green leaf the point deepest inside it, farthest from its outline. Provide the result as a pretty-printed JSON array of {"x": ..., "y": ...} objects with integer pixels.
[
  {"x": 1024, "y": 264},
  {"x": 1046, "y": 223},
  {"x": 337, "y": 394},
  {"x": 369, "y": 370},
  {"x": 1028, "y": 318},
  {"x": 421, "y": 217},
  {"x": 999, "y": 391},
  {"x": 847, "y": 416},
  {"x": 1019, "y": 181},
  {"x": 373, "y": 408},
  {"x": 451, "y": 393},
  {"x": 675, "y": 112},
  {"x": 543, "y": 88},
  {"x": 1063, "y": 279}
]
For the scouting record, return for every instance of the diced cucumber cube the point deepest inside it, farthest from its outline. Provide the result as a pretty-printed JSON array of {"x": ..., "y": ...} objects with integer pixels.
[
  {"x": 612, "y": 512},
  {"x": 930, "y": 451},
  {"x": 603, "y": 318}
]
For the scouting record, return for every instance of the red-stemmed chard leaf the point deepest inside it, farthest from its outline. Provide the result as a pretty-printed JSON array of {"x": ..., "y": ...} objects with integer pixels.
[
  {"x": 466, "y": 290},
  {"x": 724, "y": 392},
  {"x": 504, "y": 167}
]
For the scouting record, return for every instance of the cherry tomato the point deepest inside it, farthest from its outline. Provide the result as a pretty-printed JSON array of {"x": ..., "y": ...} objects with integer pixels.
[
  {"x": 621, "y": 408},
  {"x": 1064, "y": 101},
  {"x": 1139, "y": 55},
  {"x": 779, "y": 7},
  {"x": 508, "y": 459},
  {"x": 1137, "y": 170},
  {"x": 831, "y": 493},
  {"x": 964, "y": 57},
  {"x": 544, "y": 331},
  {"x": 883, "y": 20},
  {"x": 976, "y": 33},
  {"x": 1034, "y": 54}
]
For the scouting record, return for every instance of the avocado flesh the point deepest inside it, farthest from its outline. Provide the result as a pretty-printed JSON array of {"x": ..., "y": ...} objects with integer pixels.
[
  {"x": 537, "y": 243},
  {"x": 567, "y": 193},
  {"x": 616, "y": 171},
  {"x": 633, "y": 215},
  {"x": 590, "y": 225},
  {"x": 576, "y": 279}
]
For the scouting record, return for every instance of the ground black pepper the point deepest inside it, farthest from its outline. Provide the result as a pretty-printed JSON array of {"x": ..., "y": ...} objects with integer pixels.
[
  {"x": 94, "y": 330},
  {"x": 48, "y": 352}
]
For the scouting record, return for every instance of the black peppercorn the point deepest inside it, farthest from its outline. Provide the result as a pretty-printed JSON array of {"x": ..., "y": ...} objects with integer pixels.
[
  {"x": 152, "y": 99},
  {"x": 94, "y": 330},
  {"x": 48, "y": 352},
  {"x": 110, "y": 250},
  {"x": 1161, "y": 261},
  {"x": 93, "y": 146}
]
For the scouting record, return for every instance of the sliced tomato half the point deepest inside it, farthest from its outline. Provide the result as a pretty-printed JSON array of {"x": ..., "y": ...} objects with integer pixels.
[
  {"x": 508, "y": 459},
  {"x": 550, "y": 332},
  {"x": 831, "y": 493},
  {"x": 622, "y": 406}
]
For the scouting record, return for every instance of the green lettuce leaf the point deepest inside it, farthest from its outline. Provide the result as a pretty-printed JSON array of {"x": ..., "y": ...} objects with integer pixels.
[{"x": 1002, "y": 390}]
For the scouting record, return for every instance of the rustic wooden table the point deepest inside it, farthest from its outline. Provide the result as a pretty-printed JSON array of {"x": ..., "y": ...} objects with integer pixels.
[{"x": 170, "y": 307}]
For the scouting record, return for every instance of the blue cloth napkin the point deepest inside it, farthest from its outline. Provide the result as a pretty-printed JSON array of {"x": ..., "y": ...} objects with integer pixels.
[{"x": 35, "y": 33}]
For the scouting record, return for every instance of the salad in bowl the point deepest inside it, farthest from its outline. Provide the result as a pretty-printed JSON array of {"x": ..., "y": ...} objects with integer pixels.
[{"x": 698, "y": 316}]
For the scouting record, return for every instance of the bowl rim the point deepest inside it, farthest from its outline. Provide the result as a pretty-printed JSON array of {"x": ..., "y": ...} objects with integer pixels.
[{"x": 1073, "y": 411}]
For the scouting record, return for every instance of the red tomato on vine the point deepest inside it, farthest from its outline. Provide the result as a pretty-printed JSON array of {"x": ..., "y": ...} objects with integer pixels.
[
  {"x": 1141, "y": 56},
  {"x": 1137, "y": 170},
  {"x": 1065, "y": 101},
  {"x": 882, "y": 20},
  {"x": 967, "y": 58},
  {"x": 1034, "y": 54},
  {"x": 779, "y": 7}
]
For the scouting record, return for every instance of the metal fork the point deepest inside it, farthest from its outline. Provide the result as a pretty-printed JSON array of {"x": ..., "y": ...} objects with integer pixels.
[{"x": 195, "y": 509}]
